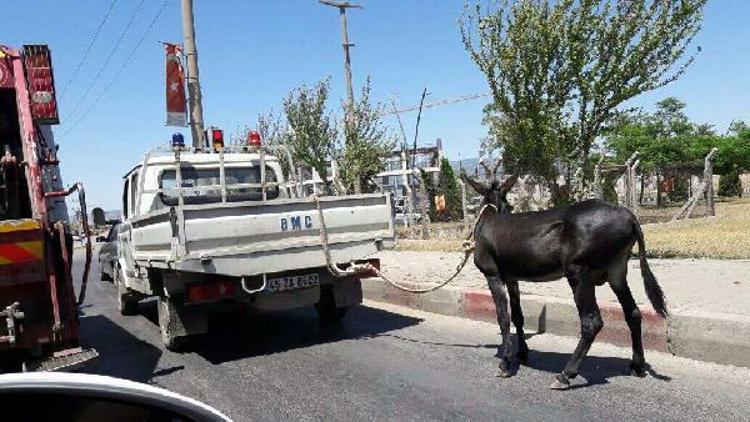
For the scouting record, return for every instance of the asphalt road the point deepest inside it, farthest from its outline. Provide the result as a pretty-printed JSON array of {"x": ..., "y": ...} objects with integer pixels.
[{"x": 393, "y": 363}]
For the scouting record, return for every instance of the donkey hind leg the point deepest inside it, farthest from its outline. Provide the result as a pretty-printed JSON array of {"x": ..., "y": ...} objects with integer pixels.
[
  {"x": 591, "y": 324},
  {"x": 516, "y": 315},
  {"x": 618, "y": 282},
  {"x": 497, "y": 288}
]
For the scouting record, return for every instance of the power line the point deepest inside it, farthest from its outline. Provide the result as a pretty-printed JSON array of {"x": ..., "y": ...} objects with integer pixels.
[
  {"x": 109, "y": 57},
  {"x": 121, "y": 69},
  {"x": 448, "y": 101},
  {"x": 90, "y": 46}
]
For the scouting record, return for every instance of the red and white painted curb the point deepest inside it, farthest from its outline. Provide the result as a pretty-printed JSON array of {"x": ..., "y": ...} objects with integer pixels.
[{"x": 716, "y": 338}]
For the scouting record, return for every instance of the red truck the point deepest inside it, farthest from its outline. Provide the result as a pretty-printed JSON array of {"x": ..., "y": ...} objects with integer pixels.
[{"x": 39, "y": 322}]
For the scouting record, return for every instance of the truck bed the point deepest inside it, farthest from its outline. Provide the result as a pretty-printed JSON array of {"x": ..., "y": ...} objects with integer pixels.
[{"x": 251, "y": 238}]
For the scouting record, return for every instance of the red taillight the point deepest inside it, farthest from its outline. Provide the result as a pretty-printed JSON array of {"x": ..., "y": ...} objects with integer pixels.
[
  {"x": 217, "y": 138},
  {"x": 253, "y": 139},
  {"x": 204, "y": 292},
  {"x": 38, "y": 64}
]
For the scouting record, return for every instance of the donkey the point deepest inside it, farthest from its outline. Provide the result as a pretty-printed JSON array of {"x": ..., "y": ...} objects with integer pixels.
[{"x": 589, "y": 243}]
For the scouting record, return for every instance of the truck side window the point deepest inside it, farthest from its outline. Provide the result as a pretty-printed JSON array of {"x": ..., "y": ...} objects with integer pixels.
[
  {"x": 125, "y": 190},
  {"x": 112, "y": 236},
  {"x": 133, "y": 193}
]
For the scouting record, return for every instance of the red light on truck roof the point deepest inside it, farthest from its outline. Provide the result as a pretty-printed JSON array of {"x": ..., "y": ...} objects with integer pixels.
[
  {"x": 253, "y": 139},
  {"x": 217, "y": 138}
]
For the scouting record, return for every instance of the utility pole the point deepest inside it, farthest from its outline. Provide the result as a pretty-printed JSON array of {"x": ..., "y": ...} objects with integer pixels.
[
  {"x": 342, "y": 6},
  {"x": 195, "y": 99}
]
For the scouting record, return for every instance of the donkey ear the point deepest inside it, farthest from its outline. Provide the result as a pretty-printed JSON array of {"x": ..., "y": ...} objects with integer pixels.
[
  {"x": 508, "y": 184},
  {"x": 480, "y": 188}
]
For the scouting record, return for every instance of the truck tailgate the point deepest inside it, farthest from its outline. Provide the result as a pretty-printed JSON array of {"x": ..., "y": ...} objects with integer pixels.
[{"x": 252, "y": 238}]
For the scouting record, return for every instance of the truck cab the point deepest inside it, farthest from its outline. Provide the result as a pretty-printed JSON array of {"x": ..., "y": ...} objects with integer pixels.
[{"x": 208, "y": 229}]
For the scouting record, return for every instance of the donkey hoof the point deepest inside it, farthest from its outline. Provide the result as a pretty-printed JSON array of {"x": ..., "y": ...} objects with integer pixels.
[
  {"x": 637, "y": 370},
  {"x": 503, "y": 373},
  {"x": 561, "y": 383},
  {"x": 523, "y": 358}
]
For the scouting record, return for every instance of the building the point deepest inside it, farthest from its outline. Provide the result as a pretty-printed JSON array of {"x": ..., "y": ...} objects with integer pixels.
[{"x": 399, "y": 174}]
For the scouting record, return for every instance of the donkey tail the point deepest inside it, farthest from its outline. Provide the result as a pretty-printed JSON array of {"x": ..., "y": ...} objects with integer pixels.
[{"x": 653, "y": 290}]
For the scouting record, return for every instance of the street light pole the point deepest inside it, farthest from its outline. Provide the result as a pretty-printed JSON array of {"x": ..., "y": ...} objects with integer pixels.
[{"x": 195, "y": 100}]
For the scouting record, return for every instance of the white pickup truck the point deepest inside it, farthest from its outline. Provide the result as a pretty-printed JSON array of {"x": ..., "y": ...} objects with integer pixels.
[{"x": 204, "y": 230}]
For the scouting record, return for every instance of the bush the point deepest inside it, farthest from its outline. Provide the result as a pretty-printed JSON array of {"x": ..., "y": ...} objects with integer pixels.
[{"x": 730, "y": 184}]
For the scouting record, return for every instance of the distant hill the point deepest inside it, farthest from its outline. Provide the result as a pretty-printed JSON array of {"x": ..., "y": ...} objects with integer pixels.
[
  {"x": 469, "y": 165},
  {"x": 112, "y": 215}
]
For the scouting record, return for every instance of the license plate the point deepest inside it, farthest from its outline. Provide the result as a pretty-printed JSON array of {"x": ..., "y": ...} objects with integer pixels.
[{"x": 293, "y": 282}]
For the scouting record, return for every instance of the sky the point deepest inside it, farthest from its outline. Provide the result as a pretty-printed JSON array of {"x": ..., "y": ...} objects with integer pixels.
[{"x": 251, "y": 53}]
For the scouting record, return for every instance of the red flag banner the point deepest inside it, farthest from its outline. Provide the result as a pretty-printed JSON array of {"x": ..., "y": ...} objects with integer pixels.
[{"x": 176, "y": 104}]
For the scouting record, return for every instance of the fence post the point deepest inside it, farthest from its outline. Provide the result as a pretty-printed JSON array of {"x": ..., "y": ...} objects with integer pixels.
[
  {"x": 708, "y": 176},
  {"x": 598, "y": 188},
  {"x": 578, "y": 184},
  {"x": 629, "y": 179},
  {"x": 634, "y": 200},
  {"x": 707, "y": 187},
  {"x": 424, "y": 206},
  {"x": 464, "y": 212}
]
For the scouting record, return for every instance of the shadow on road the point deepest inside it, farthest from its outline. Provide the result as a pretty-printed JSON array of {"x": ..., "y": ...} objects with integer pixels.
[
  {"x": 596, "y": 370},
  {"x": 120, "y": 353},
  {"x": 238, "y": 336}
]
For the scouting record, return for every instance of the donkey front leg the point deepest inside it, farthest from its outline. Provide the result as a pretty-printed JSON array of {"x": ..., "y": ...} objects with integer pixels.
[
  {"x": 516, "y": 315},
  {"x": 497, "y": 288},
  {"x": 591, "y": 324}
]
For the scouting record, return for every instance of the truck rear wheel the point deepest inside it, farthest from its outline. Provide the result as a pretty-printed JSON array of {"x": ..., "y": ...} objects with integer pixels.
[
  {"x": 328, "y": 313},
  {"x": 167, "y": 327},
  {"x": 103, "y": 276},
  {"x": 126, "y": 303}
]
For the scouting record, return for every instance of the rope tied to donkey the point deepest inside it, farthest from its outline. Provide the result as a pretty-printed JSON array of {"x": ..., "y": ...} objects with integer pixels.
[{"x": 354, "y": 269}]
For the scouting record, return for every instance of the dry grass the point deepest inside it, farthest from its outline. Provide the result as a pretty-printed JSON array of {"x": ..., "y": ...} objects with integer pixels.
[
  {"x": 429, "y": 245},
  {"x": 726, "y": 236}
]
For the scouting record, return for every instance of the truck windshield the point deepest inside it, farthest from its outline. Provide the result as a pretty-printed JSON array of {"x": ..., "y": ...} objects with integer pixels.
[{"x": 206, "y": 182}]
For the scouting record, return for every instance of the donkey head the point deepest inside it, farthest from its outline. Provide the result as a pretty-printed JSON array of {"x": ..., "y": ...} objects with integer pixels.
[{"x": 495, "y": 194}]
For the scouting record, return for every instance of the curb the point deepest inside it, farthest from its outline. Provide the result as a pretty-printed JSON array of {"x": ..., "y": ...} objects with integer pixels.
[{"x": 723, "y": 339}]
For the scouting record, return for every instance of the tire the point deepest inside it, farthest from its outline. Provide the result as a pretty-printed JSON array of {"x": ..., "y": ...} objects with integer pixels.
[
  {"x": 328, "y": 313},
  {"x": 170, "y": 341},
  {"x": 103, "y": 276},
  {"x": 126, "y": 303}
]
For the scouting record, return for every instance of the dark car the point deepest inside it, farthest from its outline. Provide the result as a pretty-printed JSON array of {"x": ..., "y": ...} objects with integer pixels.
[{"x": 108, "y": 253}]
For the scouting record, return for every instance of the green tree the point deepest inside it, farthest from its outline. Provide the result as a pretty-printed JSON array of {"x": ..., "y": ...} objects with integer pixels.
[
  {"x": 558, "y": 71},
  {"x": 271, "y": 128},
  {"x": 730, "y": 184},
  {"x": 314, "y": 134},
  {"x": 448, "y": 186},
  {"x": 367, "y": 143},
  {"x": 670, "y": 119}
]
